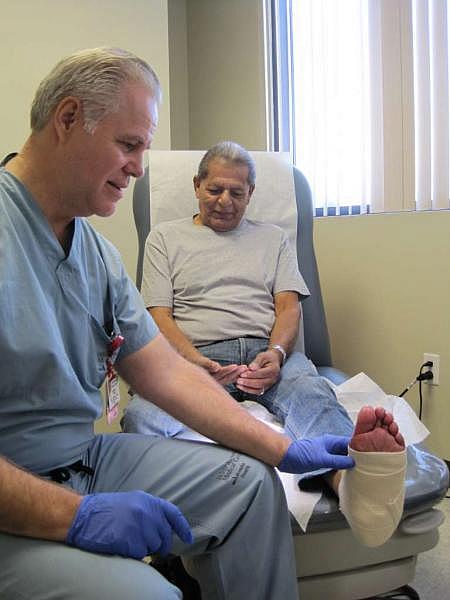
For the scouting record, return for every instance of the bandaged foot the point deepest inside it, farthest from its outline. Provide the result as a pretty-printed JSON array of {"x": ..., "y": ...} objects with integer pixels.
[{"x": 371, "y": 494}]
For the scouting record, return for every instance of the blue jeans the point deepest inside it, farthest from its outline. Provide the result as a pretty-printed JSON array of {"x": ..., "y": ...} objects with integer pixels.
[{"x": 302, "y": 400}]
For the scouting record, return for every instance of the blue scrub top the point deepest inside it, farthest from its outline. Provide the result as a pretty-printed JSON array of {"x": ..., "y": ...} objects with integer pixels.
[{"x": 57, "y": 314}]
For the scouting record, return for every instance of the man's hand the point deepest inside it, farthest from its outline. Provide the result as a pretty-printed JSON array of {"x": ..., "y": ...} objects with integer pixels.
[
  {"x": 261, "y": 374},
  {"x": 326, "y": 451},
  {"x": 132, "y": 524},
  {"x": 222, "y": 374}
]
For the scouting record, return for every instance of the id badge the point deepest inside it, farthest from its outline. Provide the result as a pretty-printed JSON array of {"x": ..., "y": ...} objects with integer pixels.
[
  {"x": 112, "y": 389},
  {"x": 112, "y": 393}
]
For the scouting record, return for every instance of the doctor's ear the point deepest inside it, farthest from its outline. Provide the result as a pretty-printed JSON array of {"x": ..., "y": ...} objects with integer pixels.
[
  {"x": 66, "y": 114},
  {"x": 251, "y": 190}
]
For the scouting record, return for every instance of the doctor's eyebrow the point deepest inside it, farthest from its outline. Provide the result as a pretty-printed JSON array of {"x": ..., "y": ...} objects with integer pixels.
[{"x": 134, "y": 141}]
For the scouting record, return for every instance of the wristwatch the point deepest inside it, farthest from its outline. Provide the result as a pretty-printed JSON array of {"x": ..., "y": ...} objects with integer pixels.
[{"x": 281, "y": 350}]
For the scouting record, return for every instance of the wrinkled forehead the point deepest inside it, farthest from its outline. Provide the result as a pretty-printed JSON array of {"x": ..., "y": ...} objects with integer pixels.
[{"x": 226, "y": 172}]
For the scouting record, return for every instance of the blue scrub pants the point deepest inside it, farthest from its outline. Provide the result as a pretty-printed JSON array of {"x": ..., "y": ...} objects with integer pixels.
[{"x": 235, "y": 505}]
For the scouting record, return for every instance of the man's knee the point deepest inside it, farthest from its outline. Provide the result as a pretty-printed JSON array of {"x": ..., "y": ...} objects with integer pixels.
[
  {"x": 136, "y": 584},
  {"x": 37, "y": 569},
  {"x": 298, "y": 366}
]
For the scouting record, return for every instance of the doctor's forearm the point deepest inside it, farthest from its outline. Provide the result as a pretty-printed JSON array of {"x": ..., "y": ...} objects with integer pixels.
[
  {"x": 33, "y": 507},
  {"x": 205, "y": 407},
  {"x": 192, "y": 396}
]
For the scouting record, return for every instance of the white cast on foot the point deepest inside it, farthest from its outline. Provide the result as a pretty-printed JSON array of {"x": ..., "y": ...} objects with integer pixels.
[{"x": 371, "y": 495}]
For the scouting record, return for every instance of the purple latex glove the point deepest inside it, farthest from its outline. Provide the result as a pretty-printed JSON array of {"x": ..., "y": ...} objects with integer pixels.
[
  {"x": 323, "y": 452},
  {"x": 132, "y": 524}
]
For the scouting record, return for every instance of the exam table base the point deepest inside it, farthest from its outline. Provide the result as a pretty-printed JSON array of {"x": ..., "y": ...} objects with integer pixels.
[{"x": 350, "y": 571}]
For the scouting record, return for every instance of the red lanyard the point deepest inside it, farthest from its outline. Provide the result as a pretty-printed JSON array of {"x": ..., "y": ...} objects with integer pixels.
[{"x": 113, "y": 350}]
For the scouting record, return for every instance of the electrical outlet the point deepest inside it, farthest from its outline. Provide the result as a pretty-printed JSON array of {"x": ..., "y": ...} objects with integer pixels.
[{"x": 435, "y": 359}]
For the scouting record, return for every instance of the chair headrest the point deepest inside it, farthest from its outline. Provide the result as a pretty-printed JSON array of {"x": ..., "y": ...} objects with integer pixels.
[{"x": 172, "y": 192}]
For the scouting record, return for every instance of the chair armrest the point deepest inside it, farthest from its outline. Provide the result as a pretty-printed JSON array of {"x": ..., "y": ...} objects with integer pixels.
[{"x": 334, "y": 375}]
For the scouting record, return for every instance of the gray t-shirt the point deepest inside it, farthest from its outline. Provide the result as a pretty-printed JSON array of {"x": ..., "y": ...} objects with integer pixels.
[{"x": 219, "y": 285}]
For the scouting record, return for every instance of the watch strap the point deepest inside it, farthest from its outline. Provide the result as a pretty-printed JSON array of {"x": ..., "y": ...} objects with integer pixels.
[{"x": 281, "y": 350}]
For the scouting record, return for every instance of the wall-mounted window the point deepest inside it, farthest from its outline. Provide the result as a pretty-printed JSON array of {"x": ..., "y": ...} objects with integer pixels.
[{"x": 360, "y": 92}]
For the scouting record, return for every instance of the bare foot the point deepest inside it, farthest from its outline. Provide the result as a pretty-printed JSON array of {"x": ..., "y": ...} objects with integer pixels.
[
  {"x": 376, "y": 431},
  {"x": 371, "y": 495}
]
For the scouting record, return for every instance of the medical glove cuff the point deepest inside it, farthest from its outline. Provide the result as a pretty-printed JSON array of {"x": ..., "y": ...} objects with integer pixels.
[{"x": 326, "y": 451}]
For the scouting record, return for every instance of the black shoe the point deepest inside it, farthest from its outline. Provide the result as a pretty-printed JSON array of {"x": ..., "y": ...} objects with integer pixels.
[{"x": 173, "y": 570}]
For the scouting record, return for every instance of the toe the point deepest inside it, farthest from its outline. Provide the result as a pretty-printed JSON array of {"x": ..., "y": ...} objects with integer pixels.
[
  {"x": 366, "y": 420},
  {"x": 393, "y": 428},
  {"x": 380, "y": 413},
  {"x": 388, "y": 418},
  {"x": 400, "y": 440}
]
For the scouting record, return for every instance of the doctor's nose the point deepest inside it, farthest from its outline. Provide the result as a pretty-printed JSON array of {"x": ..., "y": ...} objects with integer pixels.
[{"x": 135, "y": 167}]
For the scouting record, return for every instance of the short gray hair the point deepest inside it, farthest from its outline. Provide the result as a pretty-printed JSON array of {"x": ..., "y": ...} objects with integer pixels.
[
  {"x": 229, "y": 152},
  {"x": 95, "y": 76}
]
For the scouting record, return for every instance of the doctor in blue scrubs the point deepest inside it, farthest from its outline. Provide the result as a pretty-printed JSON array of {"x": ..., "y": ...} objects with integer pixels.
[{"x": 78, "y": 510}]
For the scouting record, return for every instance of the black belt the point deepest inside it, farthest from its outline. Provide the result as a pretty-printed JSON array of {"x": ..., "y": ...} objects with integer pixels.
[{"x": 62, "y": 474}]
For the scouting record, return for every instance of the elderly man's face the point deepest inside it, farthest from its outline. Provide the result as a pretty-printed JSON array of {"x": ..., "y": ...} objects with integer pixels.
[{"x": 223, "y": 195}]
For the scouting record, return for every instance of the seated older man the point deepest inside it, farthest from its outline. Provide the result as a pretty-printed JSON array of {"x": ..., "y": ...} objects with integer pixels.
[{"x": 225, "y": 292}]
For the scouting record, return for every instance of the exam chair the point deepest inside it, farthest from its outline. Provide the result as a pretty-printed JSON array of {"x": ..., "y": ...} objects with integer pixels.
[{"x": 331, "y": 563}]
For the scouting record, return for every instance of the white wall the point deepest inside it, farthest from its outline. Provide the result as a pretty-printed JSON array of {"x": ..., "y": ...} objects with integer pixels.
[
  {"x": 226, "y": 73},
  {"x": 178, "y": 70},
  {"x": 217, "y": 78}
]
